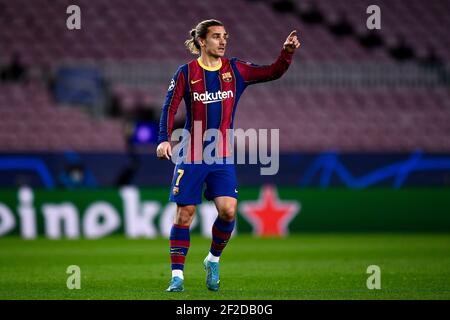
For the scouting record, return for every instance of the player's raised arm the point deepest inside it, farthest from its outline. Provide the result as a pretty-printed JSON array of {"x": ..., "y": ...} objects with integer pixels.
[{"x": 252, "y": 73}]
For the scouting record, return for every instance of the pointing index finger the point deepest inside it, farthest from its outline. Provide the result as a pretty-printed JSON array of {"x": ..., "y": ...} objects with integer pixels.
[{"x": 292, "y": 34}]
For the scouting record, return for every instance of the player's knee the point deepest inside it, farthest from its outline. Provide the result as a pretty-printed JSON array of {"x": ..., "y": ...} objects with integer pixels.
[
  {"x": 185, "y": 215},
  {"x": 228, "y": 212}
]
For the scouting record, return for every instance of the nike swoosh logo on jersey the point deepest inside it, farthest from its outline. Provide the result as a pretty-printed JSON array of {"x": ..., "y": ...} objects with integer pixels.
[{"x": 195, "y": 81}]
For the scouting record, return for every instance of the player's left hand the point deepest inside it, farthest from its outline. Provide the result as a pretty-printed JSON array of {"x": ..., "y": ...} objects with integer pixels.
[{"x": 292, "y": 43}]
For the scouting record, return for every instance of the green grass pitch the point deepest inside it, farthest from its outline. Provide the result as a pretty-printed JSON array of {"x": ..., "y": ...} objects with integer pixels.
[{"x": 310, "y": 266}]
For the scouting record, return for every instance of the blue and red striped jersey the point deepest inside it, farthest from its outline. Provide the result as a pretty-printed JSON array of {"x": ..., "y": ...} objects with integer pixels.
[{"x": 211, "y": 95}]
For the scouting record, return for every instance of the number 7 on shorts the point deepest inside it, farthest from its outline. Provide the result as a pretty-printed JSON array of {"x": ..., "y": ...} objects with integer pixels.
[{"x": 181, "y": 172}]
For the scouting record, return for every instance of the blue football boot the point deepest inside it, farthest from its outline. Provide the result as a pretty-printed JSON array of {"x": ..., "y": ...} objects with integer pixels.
[
  {"x": 212, "y": 275},
  {"x": 176, "y": 285}
]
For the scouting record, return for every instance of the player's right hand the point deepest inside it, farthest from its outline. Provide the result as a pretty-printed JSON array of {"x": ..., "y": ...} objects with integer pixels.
[
  {"x": 292, "y": 43},
  {"x": 164, "y": 150}
]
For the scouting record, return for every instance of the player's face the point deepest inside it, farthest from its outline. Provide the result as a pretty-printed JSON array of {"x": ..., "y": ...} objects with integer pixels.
[{"x": 216, "y": 41}]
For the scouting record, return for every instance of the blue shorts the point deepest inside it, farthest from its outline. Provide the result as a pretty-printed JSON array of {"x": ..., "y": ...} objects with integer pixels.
[{"x": 189, "y": 180}]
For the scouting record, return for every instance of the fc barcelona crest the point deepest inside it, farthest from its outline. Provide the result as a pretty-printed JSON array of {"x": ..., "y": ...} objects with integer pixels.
[
  {"x": 175, "y": 191},
  {"x": 227, "y": 77}
]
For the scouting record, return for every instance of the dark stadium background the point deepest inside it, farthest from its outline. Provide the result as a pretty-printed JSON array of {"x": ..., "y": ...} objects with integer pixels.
[{"x": 364, "y": 116}]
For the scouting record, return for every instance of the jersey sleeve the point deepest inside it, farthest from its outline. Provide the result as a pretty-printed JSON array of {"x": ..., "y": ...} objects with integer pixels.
[
  {"x": 175, "y": 94},
  {"x": 252, "y": 73}
]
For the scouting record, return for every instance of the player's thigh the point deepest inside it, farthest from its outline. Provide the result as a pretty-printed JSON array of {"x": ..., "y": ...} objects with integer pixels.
[{"x": 221, "y": 181}]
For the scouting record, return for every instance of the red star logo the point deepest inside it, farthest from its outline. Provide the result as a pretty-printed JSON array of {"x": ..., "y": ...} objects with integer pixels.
[{"x": 268, "y": 215}]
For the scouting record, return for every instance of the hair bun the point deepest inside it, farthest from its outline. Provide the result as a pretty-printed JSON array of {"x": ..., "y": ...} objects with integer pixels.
[{"x": 193, "y": 33}]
